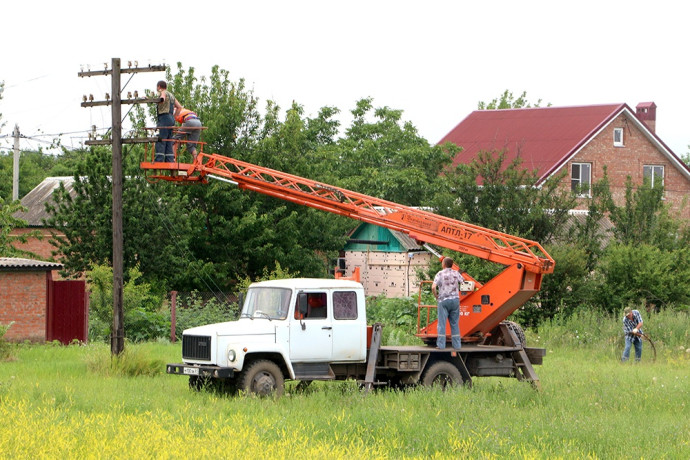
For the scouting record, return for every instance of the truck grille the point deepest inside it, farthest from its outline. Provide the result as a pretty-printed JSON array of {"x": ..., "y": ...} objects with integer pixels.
[{"x": 196, "y": 347}]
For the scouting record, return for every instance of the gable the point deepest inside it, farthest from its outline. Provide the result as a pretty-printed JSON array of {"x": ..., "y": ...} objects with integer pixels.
[{"x": 647, "y": 149}]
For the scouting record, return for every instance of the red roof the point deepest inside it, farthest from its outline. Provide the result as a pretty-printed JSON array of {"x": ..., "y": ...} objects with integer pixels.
[{"x": 543, "y": 137}]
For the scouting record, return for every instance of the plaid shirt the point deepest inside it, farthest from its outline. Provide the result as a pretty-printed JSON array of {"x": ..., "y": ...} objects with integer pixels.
[
  {"x": 630, "y": 324},
  {"x": 447, "y": 281}
]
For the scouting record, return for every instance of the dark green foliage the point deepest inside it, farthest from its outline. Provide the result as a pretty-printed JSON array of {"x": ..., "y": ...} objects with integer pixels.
[
  {"x": 145, "y": 317},
  {"x": 154, "y": 225},
  {"x": 5, "y": 347},
  {"x": 33, "y": 168},
  {"x": 508, "y": 101},
  {"x": 499, "y": 196},
  {"x": 8, "y": 238},
  {"x": 566, "y": 289},
  {"x": 197, "y": 312},
  {"x": 644, "y": 218},
  {"x": 387, "y": 158},
  {"x": 644, "y": 275},
  {"x": 398, "y": 316}
]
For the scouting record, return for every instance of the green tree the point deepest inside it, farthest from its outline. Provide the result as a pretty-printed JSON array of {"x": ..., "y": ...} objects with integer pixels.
[
  {"x": 34, "y": 166},
  {"x": 8, "y": 237},
  {"x": 2, "y": 90},
  {"x": 645, "y": 218},
  {"x": 155, "y": 225},
  {"x": 643, "y": 275},
  {"x": 235, "y": 233},
  {"x": 508, "y": 101},
  {"x": 384, "y": 157},
  {"x": 503, "y": 197},
  {"x": 587, "y": 233}
]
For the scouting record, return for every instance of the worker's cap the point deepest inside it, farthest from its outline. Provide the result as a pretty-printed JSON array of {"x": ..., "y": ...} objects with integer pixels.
[{"x": 627, "y": 311}]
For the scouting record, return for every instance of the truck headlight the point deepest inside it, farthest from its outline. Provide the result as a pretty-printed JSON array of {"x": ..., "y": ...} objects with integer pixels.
[{"x": 232, "y": 355}]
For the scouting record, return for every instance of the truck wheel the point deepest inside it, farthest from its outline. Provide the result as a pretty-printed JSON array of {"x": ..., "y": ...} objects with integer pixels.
[
  {"x": 519, "y": 332},
  {"x": 443, "y": 374},
  {"x": 262, "y": 378}
]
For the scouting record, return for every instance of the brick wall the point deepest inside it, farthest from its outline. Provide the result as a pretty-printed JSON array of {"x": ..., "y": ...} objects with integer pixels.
[
  {"x": 40, "y": 247},
  {"x": 393, "y": 274},
  {"x": 24, "y": 301},
  {"x": 629, "y": 160}
]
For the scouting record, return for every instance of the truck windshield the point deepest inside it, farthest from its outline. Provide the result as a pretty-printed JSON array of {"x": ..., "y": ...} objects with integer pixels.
[{"x": 271, "y": 303}]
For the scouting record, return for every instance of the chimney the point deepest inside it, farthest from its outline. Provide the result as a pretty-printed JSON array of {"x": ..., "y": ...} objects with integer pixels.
[{"x": 646, "y": 112}]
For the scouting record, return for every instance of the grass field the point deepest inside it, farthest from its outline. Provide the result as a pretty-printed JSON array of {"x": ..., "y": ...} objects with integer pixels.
[{"x": 67, "y": 402}]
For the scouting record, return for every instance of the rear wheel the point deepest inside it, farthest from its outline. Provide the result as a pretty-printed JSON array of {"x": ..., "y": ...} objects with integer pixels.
[
  {"x": 262, "y": 378},
  {"x": 442, "y": 374},
  {"x": 517, "y": 329}
]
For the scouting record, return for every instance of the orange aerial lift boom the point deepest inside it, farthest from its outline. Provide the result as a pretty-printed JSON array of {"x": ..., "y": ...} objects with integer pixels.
[{"x": 481, "y": 310}]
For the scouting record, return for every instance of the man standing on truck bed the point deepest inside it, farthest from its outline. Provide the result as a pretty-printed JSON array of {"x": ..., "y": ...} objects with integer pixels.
[{"x": 446, "y": 290}]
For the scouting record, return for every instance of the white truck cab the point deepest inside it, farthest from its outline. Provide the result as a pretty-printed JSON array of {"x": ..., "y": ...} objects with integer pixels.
[{"x": 296, "y": 324}]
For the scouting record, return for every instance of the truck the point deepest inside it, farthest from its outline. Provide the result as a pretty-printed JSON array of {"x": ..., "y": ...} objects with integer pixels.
[{"x": 316, "y": 329}]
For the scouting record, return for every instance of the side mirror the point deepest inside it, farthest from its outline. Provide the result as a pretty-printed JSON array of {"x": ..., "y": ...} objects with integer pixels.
[
  {"x": 302, "y": 305},
  {"x": 302, "y": 308}
]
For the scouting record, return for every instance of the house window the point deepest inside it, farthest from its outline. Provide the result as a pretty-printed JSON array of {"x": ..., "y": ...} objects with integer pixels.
[
  {"x": 581, "y": 178},
  {"x": 654, "y": 174},
  {"x": 618, "y": 137}
]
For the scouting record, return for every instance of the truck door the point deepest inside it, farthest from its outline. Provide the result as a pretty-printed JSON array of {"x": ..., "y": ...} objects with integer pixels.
[
  {"x": 311, "y": 329},
  {"x": 349, "y": 328}
]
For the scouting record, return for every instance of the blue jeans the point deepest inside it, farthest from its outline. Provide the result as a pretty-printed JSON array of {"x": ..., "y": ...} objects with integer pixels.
[
  {"x": 164, "y": 149},
  {"x": 448, "y": 310},
  {"x": 629, "y": 341}
]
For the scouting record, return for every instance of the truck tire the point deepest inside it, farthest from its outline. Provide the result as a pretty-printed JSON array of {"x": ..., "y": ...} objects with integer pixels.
[
  {"x": 443, "y": 374},
  {"x": 262, "y": 378},
  {"x": 517, "y": 329}
]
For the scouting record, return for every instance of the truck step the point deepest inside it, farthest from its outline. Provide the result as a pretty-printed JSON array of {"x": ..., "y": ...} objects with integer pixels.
[{"x": 313, "y": 371}]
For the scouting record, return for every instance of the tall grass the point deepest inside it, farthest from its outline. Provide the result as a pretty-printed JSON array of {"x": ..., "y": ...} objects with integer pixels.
[{"x": 56, "y": 403}]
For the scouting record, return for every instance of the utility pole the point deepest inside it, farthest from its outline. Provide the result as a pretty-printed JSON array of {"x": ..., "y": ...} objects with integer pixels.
[
  {"x": 15, "y": 168},
  {"x": 117, "y": 337}
]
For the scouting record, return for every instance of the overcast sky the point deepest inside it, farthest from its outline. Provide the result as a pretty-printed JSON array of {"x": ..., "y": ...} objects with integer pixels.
[{"x": 434, "y": 60}]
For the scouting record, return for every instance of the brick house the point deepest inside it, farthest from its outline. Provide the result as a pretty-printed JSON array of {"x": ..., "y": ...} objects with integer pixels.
[
  {"x": 25, "y": 295},
  {"x": 388, "y": 260},
  {"x": 39, "y": 307},
  {"x": 35, "y": 202},
  {"x": 581, "y": 140}
]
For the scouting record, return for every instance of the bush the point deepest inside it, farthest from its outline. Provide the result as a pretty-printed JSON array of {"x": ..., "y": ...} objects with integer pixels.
[
  {"x": 198, "y": 312},
  {"x": 131, "y": 362},
  {"x": 645, "y": 275},
  {"x": 144, "y": 317},
  {"x": 568, "y": 287},
  {"x": 5, "y": 347},
  {"x": 398, "y": 316}
]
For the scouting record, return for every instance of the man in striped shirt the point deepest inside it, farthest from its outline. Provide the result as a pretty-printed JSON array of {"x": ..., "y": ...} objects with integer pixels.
[
  {"x": 446, "y": 290},
  {"x": 632, "y": 328}
]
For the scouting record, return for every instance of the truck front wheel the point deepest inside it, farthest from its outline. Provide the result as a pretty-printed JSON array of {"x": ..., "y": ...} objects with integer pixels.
[
  {"x": 262, "y": 378},
  {"x": 443, "y": 374}
]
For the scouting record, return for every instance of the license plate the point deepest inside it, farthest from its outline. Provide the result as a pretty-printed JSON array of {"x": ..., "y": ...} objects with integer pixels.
[{"x": 191, "y": 370}]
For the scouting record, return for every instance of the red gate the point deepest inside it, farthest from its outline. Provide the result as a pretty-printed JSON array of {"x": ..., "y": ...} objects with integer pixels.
[{"x": 68, "y": 311}]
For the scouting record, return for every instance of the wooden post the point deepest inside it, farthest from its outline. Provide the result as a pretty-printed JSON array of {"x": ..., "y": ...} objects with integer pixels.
[
  {"x": 117, "y": 344},
  {"x": 15, "y": 165},
  {"x": 173, "y": 317},
  {"x": 117, "y": 336}
]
